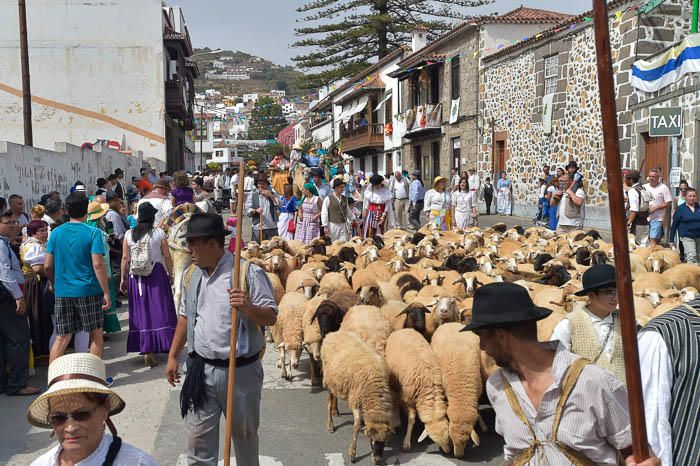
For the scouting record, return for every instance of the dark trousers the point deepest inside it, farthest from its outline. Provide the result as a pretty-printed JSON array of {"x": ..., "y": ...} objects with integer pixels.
[
  {"x": 414, "y": 214},
  {"x": 487, "y": 201},
  {"x": 267, "y": 234},
  {"x": 14, "y": 348}
]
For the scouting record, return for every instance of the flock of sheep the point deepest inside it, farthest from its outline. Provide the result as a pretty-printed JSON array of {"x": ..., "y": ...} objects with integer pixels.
[{"x": 381, "y": 318}]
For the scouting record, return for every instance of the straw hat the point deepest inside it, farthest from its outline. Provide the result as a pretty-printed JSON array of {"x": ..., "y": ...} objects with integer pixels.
[
  {"x": 73, "y": 373},
  {"x": 438, "y": 179},
  {"x": 97, "y": 210},
  {"x": 298, "y": 146}
]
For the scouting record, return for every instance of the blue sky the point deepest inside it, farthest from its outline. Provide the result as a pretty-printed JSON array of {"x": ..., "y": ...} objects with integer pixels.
[{"x": 266, "y": 27}]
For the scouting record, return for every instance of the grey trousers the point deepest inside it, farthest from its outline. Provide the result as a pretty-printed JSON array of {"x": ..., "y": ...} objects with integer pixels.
[
  {"x": 691, "y": 247},
  {"x": 203, "y": 427}
]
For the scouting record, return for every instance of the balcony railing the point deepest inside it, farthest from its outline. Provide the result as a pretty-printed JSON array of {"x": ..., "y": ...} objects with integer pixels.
[
  {"x": 423, "y": 118},
  {"x": 364, "y": 137},
  {"x": 176, "y": 98}
]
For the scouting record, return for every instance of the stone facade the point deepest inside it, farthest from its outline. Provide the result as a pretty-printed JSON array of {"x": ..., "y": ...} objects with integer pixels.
[{"x": 512, "y": 93}]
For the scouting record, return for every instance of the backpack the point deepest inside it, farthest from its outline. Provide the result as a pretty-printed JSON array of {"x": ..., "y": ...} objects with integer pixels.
[
  {"x": 645, "y": 198},
  {"x": 141, "y": 262}
]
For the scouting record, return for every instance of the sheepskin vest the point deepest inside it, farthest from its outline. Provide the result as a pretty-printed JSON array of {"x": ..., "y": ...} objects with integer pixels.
[
  {"x": 337, "y": 211},
  {"x": 585, "y": 343}
]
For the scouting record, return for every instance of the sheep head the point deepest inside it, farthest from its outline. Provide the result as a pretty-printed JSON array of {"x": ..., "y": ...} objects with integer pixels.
[
  {"x": 460, "y": 435},
  {"x": 415, "y": 317},
  {"x": 519, "y": 256},
  {"x": 277, "y": 260},
  {"x": 688, "y": 294},
  {"x": 509, "y": 263},
  {"x": 318, "y": 270},
  {"x": 396, "y": 265},
  {"x": 433, "y": 278},
  {"x": 349, "y": 269},
  {"x": 439, "y": 432},
  {"x": 370, "y": 294},
  {"x": 446, "y": 310},
  {"x": 314, "y": 350},
  {"x": 294, "y": 352},
  {"x": 329, "y": 316},
  {"x": 485, "y": 264},
  {"x": 378, "y": 432},
  {"x": 371, "y": 254},
  {"x": 309, "y": 286},
  {"x": 470, "y": 282},
  {"x": 426, "y": 248},
  {"x": 652, "y": 296},
  {"x": 253, "y": 249}
]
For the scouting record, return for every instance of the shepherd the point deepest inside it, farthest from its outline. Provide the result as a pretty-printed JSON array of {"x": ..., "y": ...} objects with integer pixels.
[{"x": 204, "y": 320}]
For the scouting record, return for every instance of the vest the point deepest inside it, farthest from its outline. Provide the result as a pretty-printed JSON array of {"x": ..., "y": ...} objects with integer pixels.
[
  {"x": 337, "y": 211},
  {"x": 680, "y": 330},
  {"x": 256, "y": 205},
  {"x": 191, "y": 283},
  {"x": 568, "y": 382},
  {"x": 585, "y": 343}
]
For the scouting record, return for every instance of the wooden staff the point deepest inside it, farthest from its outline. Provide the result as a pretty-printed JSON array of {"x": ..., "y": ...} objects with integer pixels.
[
  {"x": 619, "y": 231},
  {"x": 234, "y": 320}
]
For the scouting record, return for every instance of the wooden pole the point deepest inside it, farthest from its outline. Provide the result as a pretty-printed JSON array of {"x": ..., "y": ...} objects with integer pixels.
[
  {"x": 234, "y": 319},
  {"x": 623, "y": 275},
  {"x": 24, "y": 58}
]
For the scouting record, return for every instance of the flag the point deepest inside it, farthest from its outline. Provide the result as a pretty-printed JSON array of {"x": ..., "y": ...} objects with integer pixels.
[{"x": 668, "y": 68}]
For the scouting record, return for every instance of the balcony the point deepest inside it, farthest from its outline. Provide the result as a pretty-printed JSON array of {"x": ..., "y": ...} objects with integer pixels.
[
  {"x": 423, "y": 120},
  {"x": 364, "y": 138},
  {"x": 176, "y": 98}
]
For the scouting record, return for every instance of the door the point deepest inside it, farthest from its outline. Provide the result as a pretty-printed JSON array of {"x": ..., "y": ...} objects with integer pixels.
[
  {"x": 375, "y": 163},
  {"x": 418, "y": 159},
  {"x": 456, "y": 153},
  {"x": 499, "y": 162},
  {"x": 389, "y": 164},
  {"x": 435, "y": 153},
  {"x": 657, "y": 153}
]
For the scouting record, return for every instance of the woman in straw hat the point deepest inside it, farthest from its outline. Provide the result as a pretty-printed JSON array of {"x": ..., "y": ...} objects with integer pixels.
[
  {"x": 437, "y": 203},
  {"x": 77, "y": 407}
]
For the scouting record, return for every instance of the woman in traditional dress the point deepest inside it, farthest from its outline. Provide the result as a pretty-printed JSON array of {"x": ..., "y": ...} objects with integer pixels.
[
  {"x": 152, "y": 316},
  {"x": 308, "y": 215},
  {"x": 288, "y": 207},
  {"x": 279, "y": 172},
  {"x": 96, "y": 213},
  {"x": 552, "y": 188},
  {"x": 464, "y": 205},
  {"x": 503, "y": 200},
  {"x": 376, "y": 207},
  {"x": 32, "y": 252},
  {"x": 438, "y": 204}
]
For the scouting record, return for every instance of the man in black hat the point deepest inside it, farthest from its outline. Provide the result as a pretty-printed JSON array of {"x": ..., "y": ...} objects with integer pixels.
[
  {"x": 593, "y": 331},
  {"x": 323, "y": 189},
  {"x": 204, "y": 322},
  {"x": 261, "y": 207},
  {"x": 337, "y": 218},
  {"x": 552, "y": 407}
]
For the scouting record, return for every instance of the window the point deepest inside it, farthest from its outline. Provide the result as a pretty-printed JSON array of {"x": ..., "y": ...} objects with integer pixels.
[
  {"x": 388, "y": 108},
  {"x": 434, "y": 86},
  {"x": 454, "y": 76},
  {"x": 417, "y": 158},
  {"x": 435, "y": 149},
  {"x": 551, "y": 73},
  {"x": 456, "y": 152}
]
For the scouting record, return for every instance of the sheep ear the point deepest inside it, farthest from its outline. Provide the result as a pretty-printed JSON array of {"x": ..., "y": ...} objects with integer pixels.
[
  {"x": 401, "y": 313},
  {"x": 475, "y": 438},
  {"x": 423, "y": 436},
  {"x": 313, "y": 317},
  {"x": 459, "y": 280},
  {"x": 280, "y": 346}
]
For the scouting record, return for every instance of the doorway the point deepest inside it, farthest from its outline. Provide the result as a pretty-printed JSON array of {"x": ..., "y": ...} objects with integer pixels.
[
  {"x": 435, "y": 154},
  {"x": 499, "y": 162},
  {"x": 418, "y": 159},
  {"x": 389, "y": 164},
  {"x": 656, "y": 155}
]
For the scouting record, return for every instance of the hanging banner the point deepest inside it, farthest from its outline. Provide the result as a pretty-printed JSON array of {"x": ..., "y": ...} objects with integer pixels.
[
  {"x": 668, "y": 68},
  {"x": 454, "y": 110},
  {"x": 547, "y": 113}
]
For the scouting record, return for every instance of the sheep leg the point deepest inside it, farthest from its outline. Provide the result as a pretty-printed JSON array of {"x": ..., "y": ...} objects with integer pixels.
[
  {"x": 315, "y": 381},
  {"x": 283, "y": 362},
  {"x": 409, "y": 429},
  {"x": 355, "y": 431},
  {"x": 331, "y": 401},
  {"x": 335, "y": 407}
]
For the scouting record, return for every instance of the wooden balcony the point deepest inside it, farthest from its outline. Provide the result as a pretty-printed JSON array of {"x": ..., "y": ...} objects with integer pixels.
[
  {"x": 175, "y": 99},
  {"x": 364, "y": 138},
  {"x": 423, "y": 120}
]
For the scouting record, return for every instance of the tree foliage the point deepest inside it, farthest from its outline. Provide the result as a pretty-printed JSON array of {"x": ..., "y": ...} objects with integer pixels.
[
  {"x": 266, "y": 120},
  {"x": 342, "y": 37}
]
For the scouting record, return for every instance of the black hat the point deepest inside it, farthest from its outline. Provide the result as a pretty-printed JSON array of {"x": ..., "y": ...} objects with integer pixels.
[
  {"x": 597, "y": 277},
  {"x": 146, "y": 212},
  {"x": 501, "y": 304},
  {"x": 317, "y": 172},
  {"x": 376, "y": 179},
  {"x": 572, "y": 163},
  {"x": 111, "y": 195},
  {"x": 262, "y": 179},
  {"x": 204, "y": 225},
  {"x": 338, "y": 182}
]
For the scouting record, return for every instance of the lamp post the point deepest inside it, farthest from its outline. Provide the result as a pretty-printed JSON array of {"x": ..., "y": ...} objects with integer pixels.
[
  {"x": 694, "y": 23},
  {"x": 24, "y": 58}
]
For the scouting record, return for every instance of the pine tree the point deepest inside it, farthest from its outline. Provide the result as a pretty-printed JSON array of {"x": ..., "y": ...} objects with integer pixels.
[
  {"x": 266, "y": 120},
  {"x": 344, "y": 36}
]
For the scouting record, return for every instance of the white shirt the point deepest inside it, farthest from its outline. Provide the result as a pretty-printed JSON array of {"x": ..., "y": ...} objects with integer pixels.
[
  {"x": 379, "y": 196},
  {"x": 474, "y": 182},
  {"x": 117, "y": 223},
  {"x": 436, "y": 201},
  {"x": 398, "y": 188},
  {"x": 657, "y": 377},
  {"x": 248, "y": 183},
  {"x": 154, "y": 244},
  {"x": 455, "y": 180},
  {"x": 127, "y": 456},
  {"x": 662, "y": 195},
  {"x": 602, "y": 327},
  {"x": 543, "y": 190},
  {"x": 575, "y": 221},
  {"x": 633, "y": 199},
  {"x": 349, "y": 214},
  {"x": 463, "y": 201},
  {"x": 234, "y": 181},
  {"x": 161, "y": 205}
]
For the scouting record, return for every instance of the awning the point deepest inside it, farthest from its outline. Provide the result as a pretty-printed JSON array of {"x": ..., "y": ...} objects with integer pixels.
[
  {"x": 354, "y": 109},
  {"x": 381, "y": 104}
]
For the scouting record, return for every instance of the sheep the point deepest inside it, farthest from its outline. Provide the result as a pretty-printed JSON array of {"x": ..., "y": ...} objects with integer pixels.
[
  {"x": 344, "y": 298},
  {"x": 335, "y": 280},
  {"x": 290, "y": 323},
  {"x": 312, "y": 338},
  {"x": 683, "y": 276},
  {"x": 299, "y": 279},
  {"x": 368, "y": 323},
  {"x": 369, "y": 255},
  {"x": 650, "y": 281},
  {"x": 400, "y": 315},
  {"x": 277, "y": 286},
  {"x": 444, "y": 310},
  {"x": 252, "y": 251},
  {"x": 318, "y": 269},
  {"x": 557, "y": 275},
  {"x": 370, "y": 293},
  {"x": 662, "y": 259},
  {"x": 354, "y": 371},
  {"x": 460, "y": 264},
  {"x": 415, "y": 374},
  {"x": 278, "y": 263},
  {"x": 459, "y": 356}
]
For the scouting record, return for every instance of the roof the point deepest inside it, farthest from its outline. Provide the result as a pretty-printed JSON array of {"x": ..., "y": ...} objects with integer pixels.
[
  {"x": 371, "y": 82},
  {"x": 521, "y": 15},
  {"x": 571, "y": 21}
]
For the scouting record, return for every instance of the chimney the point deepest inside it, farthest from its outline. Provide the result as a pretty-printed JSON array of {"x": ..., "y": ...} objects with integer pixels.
[{"x": 419, "y": 37}]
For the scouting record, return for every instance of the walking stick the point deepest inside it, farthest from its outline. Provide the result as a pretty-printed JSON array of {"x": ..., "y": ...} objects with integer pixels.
[
  {"x": 619, "y": 231},
  {"x": 234, "y": 322}
]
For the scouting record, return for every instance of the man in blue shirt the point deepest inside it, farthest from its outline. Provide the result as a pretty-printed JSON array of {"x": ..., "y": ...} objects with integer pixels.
[
  {"x": 416, "y": 193},
  {"x": 686, "y": 221},
  {"x": 76, "y": 268}
]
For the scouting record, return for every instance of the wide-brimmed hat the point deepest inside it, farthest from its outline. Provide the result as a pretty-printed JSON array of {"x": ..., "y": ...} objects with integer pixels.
[
  {"x": 96, "y": 210},
  {"x": 205, "y": 225},
  {"x": 597, "y": 277},
  {"x": 502, "y": 304},
  {"x": 573, "y": 164},
  {"x": 338, "y": 182},
  {"x": 416, "y": 173},
  {"x": 297, "y": 146},
  {"x": 69, "y": 374},
  {"x": 80, "y": 188},
  {"x": 376, "y": 179},
  {"x": 438, "y": 179},
  {"x": 316, "y": 172}
]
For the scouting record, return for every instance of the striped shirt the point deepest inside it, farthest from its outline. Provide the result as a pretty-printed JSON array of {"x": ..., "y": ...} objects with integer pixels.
[{"x": 595, "y": 421}]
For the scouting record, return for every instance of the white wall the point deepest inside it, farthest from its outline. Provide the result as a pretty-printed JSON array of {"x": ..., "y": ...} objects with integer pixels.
[
  {"x": 99, "y": 63},
  {"x": 494, "y": 35},
  {"x": 32, "y": 172}
]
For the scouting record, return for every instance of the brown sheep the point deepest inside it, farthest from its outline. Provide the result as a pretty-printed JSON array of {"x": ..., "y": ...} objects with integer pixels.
[{"x": 369, "y": 324}]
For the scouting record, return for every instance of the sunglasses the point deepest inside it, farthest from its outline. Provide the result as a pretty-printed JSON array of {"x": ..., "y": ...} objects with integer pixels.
[{"x": 81, "y": 415}]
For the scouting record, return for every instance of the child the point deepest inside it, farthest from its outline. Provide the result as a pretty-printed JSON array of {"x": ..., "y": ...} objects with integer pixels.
[
  {"x": 543, "y": 211},
  {"x": 133, "y": 205},
  {"x": 231, "y": 224},
  {"x": 352, "y": 204}
]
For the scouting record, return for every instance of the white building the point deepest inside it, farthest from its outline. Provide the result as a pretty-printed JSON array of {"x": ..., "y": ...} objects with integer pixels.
[
  {"x": 277, "y": 93},
  {"x": 250, "y": 98},
  {"x": 218, "y": 64},
  {"x": 101, "y": 70}
]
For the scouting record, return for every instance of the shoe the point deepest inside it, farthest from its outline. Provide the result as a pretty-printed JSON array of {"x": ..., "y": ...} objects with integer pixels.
[{"x": 150, "y": 360}]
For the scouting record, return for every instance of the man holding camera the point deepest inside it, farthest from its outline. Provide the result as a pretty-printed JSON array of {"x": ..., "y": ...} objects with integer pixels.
[{"x": 572, "y": 204}]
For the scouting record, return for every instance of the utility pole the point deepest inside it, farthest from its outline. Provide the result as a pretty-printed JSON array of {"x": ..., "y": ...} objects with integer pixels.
[
  {"x": 694, "y": 24},
  {"x": 24, "y": 57},
  {"x": 201, "y": 138}
]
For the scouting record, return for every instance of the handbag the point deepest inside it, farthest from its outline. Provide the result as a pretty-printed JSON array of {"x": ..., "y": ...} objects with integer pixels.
[{"x": 291, "y": 226}]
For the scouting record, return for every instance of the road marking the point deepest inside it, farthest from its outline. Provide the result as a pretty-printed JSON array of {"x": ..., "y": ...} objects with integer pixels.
[
  {"x": 264, "y": 461},
  {"x": 301, "y": 379},
  {"x": 419, "y": 459},
  {"x": 335, "y": 459}
]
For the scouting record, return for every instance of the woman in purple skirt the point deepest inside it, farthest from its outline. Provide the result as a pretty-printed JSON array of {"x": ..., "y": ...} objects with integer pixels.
[{"x": 146, "y": 272}]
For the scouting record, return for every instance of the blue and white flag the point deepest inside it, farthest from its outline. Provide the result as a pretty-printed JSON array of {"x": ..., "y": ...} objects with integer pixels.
[{"x": 676, "y": 62}]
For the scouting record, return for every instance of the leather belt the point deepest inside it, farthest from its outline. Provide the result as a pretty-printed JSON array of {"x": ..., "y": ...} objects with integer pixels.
[{"x": 240, "y": 361}]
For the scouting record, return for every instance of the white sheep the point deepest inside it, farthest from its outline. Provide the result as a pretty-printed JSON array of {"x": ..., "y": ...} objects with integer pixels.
[
  {"x": 354, "y": 371},
  {"x": 368, "y": 323},
  {"x": 335, "y": 280},
  {"x": 289, "y": 323},
  {"x": 415, "y": 374},
  {"x": 459, "y": 356},
  {"x": 302, "y": 280}
]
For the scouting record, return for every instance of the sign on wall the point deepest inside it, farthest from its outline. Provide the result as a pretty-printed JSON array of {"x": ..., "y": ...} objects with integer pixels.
[
  {"x": 675, "y": 177},
  {"x": 547, "y": 113},
  {"x": 666, "y": 121}
]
